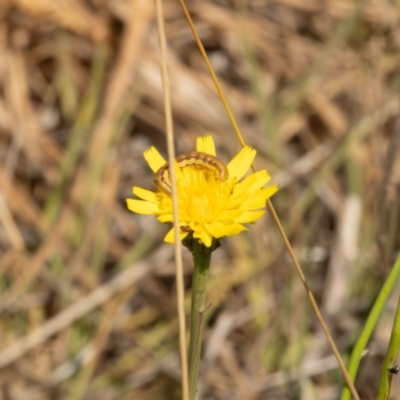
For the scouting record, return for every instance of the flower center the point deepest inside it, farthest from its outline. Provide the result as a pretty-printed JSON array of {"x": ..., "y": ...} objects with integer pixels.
[{"x": 202, "y": 195}]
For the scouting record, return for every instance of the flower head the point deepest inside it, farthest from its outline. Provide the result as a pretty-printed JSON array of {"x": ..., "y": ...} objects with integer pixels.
[{"x": 214, "y": 200}]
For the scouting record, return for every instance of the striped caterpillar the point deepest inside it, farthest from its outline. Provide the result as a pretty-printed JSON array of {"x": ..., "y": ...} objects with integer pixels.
[{"x": 195, "y": 158}]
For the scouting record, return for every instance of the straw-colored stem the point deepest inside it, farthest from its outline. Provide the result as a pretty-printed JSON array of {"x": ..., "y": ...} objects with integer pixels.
[
  {"x": 201, "y": 260},
  {"x": 270, "y": 206},
  {"x": 171, "y": 158}
]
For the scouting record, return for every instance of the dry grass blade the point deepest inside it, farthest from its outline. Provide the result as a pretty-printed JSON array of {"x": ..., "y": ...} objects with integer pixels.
[
  {"x": 314, "y": 88},
  {"x": 171, "y": 158},
  {"x": 71, "y": 14},
  {"x": 78, "y": 310}
]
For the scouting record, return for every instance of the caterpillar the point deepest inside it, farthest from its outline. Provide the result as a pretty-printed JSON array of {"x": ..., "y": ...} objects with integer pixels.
[{"x": 196, "y": 158}]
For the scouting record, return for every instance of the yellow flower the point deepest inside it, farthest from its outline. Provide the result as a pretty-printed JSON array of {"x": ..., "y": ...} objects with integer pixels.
[{"x": 209, "y": 207}]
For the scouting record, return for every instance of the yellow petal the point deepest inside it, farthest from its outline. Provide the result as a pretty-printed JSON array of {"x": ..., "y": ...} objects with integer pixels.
[
  {"x": 154, "y": 159},
  {"x": 243, "y": 187},
  {"x": 229, "y": 214},
  {"x": 165, "y": 217},
  {"x": 262, "y": 178},
  {"x": 216, "y": 229},
  {"x": 249, "y": 216},
  {"x": 254, "y": 203},
  {"x": 252, "y": 182},
  {"x": 270, "y": 190},
  {"x": 204, "y": 236},
  {"x": 170, "y": 236},
  {"x": 145, "y": 194},
  {"x": 241, "y": 163},
  {"x": 259, "y": 198},
  {"x": 234, "y": 229},
  {"x": 142, "y": 207},
  {"x": 205, "y": 144}
]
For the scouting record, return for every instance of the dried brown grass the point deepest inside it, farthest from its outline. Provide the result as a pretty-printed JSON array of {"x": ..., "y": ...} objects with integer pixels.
[{"x": 319, "y": 104}]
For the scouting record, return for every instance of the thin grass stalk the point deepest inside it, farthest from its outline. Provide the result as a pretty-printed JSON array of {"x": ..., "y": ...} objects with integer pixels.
[
  {"x": 370, "y": 324},
  {"x": 171, "y": 159},
  {"x": 271, "y": 207}
]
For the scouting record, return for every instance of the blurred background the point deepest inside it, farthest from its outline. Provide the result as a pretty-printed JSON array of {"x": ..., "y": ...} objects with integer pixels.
[{"x": 87, "y": 289}]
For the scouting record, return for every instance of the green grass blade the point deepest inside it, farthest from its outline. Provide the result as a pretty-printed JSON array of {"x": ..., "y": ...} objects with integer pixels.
[{"x": 369, "y": 326}]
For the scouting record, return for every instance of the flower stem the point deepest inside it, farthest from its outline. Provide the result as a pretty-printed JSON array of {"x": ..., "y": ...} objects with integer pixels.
[{"x": 201, "y": 259}]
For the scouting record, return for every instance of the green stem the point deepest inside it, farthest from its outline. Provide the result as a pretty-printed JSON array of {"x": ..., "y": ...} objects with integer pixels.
[
  {"x": 391, "y": 355},
  {"x": 201, "y": 259},
  {"x": 369, "y": 326}
]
